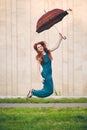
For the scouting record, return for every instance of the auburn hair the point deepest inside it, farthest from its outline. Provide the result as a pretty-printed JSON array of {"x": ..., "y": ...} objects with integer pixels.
[{"x": 40, "y": 56}]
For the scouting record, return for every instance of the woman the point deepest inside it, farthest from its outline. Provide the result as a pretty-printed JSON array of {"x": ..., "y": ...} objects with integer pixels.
[{"x": 44, "y": 59}]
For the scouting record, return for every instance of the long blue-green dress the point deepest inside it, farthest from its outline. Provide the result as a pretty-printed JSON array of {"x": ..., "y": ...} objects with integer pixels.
[{"x": 46, "y": 73}]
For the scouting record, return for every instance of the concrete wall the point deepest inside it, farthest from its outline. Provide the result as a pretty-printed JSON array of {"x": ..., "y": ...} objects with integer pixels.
[{"x": 18, "y": 67}]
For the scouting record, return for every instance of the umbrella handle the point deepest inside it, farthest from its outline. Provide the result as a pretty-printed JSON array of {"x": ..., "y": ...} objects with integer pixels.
[{"x": 63, "y": 37}]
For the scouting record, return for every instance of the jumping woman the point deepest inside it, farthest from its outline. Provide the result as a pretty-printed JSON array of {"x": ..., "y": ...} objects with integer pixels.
[{"x": 44, "y": 59}]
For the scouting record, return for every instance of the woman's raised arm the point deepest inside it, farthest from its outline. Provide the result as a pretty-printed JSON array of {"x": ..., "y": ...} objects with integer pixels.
[{"x": 58, "y": 43}]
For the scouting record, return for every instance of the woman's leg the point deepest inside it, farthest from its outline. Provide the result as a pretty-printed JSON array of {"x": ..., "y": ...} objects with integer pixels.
[{"x": 46, "y": 91}]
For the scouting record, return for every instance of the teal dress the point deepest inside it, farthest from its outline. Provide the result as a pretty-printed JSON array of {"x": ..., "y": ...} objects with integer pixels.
[{"x": 46, "y": 73}]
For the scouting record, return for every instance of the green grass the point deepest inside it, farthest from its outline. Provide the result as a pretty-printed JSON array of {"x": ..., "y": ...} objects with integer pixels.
[
  {"x": 43, "y": 119},
  {"x": 45, "y": 100}
]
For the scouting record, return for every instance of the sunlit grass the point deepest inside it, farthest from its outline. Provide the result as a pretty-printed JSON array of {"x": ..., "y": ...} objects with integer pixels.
[
  {"x": 43, "y": 119},
  {"x": 46, "y": 100}
]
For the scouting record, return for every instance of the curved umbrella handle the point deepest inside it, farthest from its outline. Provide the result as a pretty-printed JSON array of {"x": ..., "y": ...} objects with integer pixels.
[{"x": 64, "y": 37}]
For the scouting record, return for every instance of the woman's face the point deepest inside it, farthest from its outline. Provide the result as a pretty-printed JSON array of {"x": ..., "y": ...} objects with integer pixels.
[{"x": 40, "y": 48}]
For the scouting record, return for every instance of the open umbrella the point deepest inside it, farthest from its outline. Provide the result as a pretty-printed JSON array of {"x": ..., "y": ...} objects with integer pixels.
[{"x": 50, "y": 18}]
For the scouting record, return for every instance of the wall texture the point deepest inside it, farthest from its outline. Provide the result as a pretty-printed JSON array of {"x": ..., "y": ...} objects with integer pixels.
[{"x": 18, "y": 67}]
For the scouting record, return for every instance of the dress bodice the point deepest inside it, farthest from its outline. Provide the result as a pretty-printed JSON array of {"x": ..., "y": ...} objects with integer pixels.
[{"x": 46, "y": 66}]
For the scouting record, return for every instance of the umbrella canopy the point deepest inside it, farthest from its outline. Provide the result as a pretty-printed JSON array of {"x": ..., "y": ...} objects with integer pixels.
[{"x": 49, "y": 19}]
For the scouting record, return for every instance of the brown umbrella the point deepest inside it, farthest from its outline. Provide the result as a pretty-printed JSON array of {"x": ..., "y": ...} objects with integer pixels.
[{"x": 50, "y": 18}]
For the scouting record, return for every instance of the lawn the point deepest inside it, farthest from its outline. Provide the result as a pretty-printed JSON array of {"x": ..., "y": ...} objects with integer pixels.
[
  {"x": 44, "y": 100},
  {"x": 43, "y": 119}
]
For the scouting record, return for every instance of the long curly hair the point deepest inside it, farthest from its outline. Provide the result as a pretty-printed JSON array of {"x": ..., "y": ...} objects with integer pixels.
[{"x": 40, "y": 56}]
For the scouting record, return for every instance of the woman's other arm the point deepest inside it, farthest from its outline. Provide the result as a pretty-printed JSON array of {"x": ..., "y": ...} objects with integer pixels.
[{"x": 39, "y": 71}]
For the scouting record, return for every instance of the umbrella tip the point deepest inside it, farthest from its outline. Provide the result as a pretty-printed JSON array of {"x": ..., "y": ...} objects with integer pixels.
[
  {"x": 69, "y": 9},
  {"x": 44, "y": 10}
]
